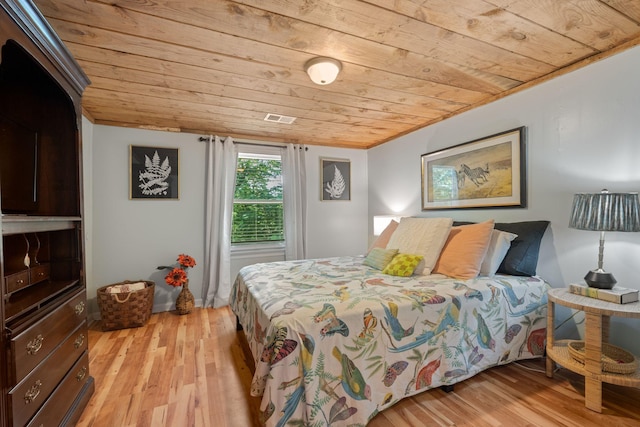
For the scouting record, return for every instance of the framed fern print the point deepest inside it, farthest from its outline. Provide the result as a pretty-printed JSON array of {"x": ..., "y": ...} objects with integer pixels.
[
  {"x": 335, "y": 179},
  {"x": 153, "y": 173}
]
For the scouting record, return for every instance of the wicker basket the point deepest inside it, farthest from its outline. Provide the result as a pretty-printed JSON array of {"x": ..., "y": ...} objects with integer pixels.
[
  {"x": 125, "y": 310},
  {"x": 614, "y": 359}
]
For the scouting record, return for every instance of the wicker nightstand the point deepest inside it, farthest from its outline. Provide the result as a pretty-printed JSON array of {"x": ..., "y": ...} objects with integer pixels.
[{"x": 597, "y": 314}]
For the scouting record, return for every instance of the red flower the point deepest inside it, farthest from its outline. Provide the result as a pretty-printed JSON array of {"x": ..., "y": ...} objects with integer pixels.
[
  {"x": 186, "y": 261},
  {"x": 176, "y": 277}
]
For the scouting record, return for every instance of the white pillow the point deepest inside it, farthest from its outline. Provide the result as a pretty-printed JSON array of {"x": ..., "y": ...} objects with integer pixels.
[
  {"x": 498, "y": 247},
  {"x": 421, "y": 236}
]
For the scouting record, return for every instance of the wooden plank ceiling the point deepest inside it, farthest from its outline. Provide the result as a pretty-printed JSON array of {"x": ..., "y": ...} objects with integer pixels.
[{"x": 219, "y": 66}]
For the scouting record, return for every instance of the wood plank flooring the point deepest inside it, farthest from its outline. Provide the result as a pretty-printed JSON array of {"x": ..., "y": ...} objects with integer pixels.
[{"x": 192, "y": 370}]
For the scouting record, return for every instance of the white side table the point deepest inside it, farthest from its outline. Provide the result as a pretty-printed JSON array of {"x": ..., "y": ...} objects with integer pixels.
[{"x": 597, "y": 315}]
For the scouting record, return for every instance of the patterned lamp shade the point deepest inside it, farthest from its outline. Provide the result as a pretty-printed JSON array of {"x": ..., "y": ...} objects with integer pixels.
[
  {"x": 606, "y": 212},
  {"x": 602, "y": 212}
]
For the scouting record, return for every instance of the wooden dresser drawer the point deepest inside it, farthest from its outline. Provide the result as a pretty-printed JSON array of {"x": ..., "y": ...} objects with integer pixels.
[
  {"x": 31, "y": 346},
  {"x": 39, "y": 273},
  {"x": 16, "y": 281},
  {"x": 57, "y": 406},
  {"x": 27, "y": 397}
]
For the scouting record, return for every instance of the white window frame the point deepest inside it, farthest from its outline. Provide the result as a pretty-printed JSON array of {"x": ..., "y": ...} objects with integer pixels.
[{"x": 266, "y": 248}]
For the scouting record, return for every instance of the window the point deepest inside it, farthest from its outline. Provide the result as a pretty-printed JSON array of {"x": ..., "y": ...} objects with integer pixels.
[
  {"x": 258, "y": 210},
  {"x": 445, "y": 183}
]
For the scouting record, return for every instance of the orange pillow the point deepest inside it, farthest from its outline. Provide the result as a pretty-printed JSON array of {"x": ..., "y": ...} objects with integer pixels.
[
  {"x": 464, "y": 250},
  {"x": 383, "y": 238}
]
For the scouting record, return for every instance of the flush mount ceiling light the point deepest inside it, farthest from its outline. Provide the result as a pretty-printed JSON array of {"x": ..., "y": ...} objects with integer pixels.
[{"x": 323, "y": 71}]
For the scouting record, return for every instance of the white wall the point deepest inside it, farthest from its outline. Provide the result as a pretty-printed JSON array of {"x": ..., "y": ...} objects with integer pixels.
[
  {"x": 336, "y": 228},
  {"x": 128, "y": 239},
  {"x": 583, "y": 135},
  {"x": 132, "y": 237},
  {"x": 87, "y": 182}
]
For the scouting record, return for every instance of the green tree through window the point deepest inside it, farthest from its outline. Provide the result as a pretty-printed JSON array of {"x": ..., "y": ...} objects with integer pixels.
[
  {"x": 445, "y": 183},
  {"x": 257, "y": 206}
]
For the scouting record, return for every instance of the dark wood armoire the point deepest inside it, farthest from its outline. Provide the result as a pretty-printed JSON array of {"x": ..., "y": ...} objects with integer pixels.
[{"x": 44, "y": 363}]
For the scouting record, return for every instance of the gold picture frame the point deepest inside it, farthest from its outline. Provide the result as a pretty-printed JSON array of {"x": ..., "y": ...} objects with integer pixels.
[{"x": 489, "y": 172}]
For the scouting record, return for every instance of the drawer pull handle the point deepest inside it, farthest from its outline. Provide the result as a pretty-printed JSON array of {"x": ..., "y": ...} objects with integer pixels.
[
  {"x": 33, "y": 392},
  {"x": 79, "y": 341},
  {"x": 81, "y": 374},
  {"x": 35, "y": 345},
  {"x": 79, "y": 308},
  {"x": 41, "y": 274},
  {"x": 20, "y": 281}
]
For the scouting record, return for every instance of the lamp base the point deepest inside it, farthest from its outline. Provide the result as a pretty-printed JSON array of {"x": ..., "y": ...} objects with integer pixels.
[{"x": 600, "y": 279}]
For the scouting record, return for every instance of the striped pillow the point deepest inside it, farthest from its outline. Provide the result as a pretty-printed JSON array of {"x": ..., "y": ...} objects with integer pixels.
[{"x": 378, "y": 258}]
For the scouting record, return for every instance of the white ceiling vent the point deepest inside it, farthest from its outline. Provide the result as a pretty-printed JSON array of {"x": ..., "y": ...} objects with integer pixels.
[{"x": 277, "y": 118}]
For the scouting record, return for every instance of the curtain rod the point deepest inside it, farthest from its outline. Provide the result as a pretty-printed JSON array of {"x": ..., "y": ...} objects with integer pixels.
[{"x": 249, "y": 142}]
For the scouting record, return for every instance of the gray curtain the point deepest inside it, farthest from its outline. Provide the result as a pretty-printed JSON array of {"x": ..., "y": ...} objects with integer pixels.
[
  {"x": 294, "y": 177},
  {"x": 221, "y": 161}
]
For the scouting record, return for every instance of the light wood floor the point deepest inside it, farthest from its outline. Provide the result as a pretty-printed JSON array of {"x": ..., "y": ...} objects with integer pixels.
[{"x": 192, "y": 370}]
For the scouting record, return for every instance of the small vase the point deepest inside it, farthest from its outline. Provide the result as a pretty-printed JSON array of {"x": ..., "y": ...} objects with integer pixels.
[{"x": 185, "y": 300}]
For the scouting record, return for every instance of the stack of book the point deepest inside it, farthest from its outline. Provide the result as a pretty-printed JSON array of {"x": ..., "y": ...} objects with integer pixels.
[{"x": 616, "y": 294}]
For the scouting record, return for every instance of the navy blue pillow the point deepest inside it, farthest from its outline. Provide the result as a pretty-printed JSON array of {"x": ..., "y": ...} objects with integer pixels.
[{"x": 522, "y": 257}]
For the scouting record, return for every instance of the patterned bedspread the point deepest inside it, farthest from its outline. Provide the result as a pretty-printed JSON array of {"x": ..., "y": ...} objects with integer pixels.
[{"x": 335, "y": 341}]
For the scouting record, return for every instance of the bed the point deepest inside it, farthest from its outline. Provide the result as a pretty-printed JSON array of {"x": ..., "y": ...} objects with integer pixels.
[{"x": 336, "y": 340}]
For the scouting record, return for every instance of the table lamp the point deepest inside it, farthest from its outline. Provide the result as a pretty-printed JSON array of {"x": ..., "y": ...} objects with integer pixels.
[{"x": 602, "y": 212}]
